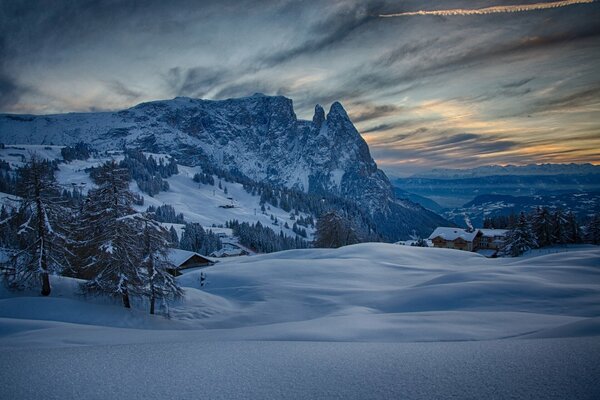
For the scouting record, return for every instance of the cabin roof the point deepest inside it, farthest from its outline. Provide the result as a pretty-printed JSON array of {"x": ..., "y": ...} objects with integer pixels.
[
  {"x": 178, "y": 257},
  {"x": 493, "y": 232},
  {"x": 449, "y": 233}
]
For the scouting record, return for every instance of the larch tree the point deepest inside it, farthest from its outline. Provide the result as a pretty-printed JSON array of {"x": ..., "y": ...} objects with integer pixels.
[
  {"x": 333, "y": 231},
  {"x": 112, "y": 255},
  {"x": 44, "y": 237},
  {"x": 159, "y": 283}
]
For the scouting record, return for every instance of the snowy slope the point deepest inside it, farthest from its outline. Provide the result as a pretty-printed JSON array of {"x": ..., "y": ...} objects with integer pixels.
[
  {"x": 367, "y": 292},
  {"x": 364, "y": 321},
  {"x": 198, "y": 203}
]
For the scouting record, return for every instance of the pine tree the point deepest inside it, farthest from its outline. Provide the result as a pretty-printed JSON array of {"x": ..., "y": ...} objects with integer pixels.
[
  {"x": 560, "y": 227},
  {"x": 519, "y": 239},
  {"x": 44, "y": 239},
  {"x": 543, "y": 224},
  {"x": 174, "y": 239},
  {"x": 592, "y": 230},
  {"x": 333, "y": 231},
  {"x": 111, "y": 253},
  {"x": 572, "y": 228}
]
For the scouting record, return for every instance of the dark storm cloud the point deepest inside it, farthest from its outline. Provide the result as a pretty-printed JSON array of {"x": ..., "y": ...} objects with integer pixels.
[
  {"x": 9, "y": 91},
  {"x": 375, "y": 111},
  {"x": 248, "y": 88},
  {"x": 577, "y": 99},
  {"x": 121, "y": 89},
  {"x": 464, "y": 149},
  {"x": 379, "y": 128},
  {"x": 465, "y": 57},
  {"x": 194, "y": 82},
  {"x": 328, "y": 32},
  {"x": 432, "y": 88},
  {"x": 516, "y": 84}
]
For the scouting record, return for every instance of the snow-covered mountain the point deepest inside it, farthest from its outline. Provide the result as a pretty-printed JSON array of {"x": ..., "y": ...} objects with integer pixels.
[{"x": 258, "y": 136}]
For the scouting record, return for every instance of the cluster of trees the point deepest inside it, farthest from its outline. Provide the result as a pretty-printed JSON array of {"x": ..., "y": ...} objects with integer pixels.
[
  {"x": 204, "y": 178},
  {"x": 334, "y": 230},
  {"x": 149, "y": 174},
  {"x": 80, "y": 151},
  {"x": 263, "y": 239},
  {"x": 118, "y": 251},
  {"x": 290, "y": 199},
  {"x": 166, "y": 213},
  {"x": 196, "y": 238},
  {"x": 8, "y": 182},
  {"x": 543, "y": 228}
]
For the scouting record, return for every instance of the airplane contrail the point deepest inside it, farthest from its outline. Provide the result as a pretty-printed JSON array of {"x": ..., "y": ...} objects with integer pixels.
[{"x": 491, "y": 10}]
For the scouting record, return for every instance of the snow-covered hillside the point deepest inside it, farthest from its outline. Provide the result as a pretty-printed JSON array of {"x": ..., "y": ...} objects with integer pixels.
[
  {"x": 198, "y": 202},
  {"x": 257, "y": 136},
  {"x": 344, "y": 323}
]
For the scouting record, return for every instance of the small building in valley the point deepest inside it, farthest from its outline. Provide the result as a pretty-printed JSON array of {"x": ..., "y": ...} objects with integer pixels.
[
  {"x": 486, "y": 241},
  {"x": 492, "y": 239},
  {"x": 455, "y": 238},
  {"x": 183, "y": 259}
]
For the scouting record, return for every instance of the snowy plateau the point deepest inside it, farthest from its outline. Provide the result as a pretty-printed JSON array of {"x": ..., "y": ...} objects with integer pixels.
[{"x": 367, "y": 321}]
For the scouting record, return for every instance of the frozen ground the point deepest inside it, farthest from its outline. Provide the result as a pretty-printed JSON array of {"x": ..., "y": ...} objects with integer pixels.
[{"x": 365, "y": 321}]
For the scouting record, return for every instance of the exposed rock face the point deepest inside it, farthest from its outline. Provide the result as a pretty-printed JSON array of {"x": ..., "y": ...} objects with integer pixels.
[{"x": 259, "y": 135}]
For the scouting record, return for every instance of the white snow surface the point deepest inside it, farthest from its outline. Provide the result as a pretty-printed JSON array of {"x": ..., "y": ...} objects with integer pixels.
[{"x": 364, "y": 321}]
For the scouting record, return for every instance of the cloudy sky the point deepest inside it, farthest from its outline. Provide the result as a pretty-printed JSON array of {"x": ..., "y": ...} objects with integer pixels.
[{"x": 428, "y": 83}]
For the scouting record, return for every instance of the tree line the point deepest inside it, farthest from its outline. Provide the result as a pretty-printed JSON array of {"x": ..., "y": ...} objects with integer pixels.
[{"x": 543, "y": 228}]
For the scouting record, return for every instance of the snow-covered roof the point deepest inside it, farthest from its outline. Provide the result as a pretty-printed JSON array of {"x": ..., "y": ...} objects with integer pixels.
[
  {"x": 448, "y": 233},
  {"x": 493, "y": 232},
  {"x": 178, "y": 256},
  {"x": 228, "y": 252}
]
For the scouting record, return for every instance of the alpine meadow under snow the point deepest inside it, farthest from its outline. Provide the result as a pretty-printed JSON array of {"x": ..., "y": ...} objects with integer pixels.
[{"x": 362, "y": 321}]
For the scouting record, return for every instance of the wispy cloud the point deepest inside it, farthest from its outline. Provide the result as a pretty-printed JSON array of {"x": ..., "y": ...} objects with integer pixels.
[{"x": 491, "y": 10}]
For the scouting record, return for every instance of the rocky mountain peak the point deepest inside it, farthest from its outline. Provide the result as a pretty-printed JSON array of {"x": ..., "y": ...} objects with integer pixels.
[
  {"x": 258, "y": 136},
  {"x": 319, "y": 116}
]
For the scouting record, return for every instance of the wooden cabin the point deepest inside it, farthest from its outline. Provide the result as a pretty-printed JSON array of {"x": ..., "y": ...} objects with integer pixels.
[
  {"x": 183, "y": 259},
  {"x": 455, "y": 238}
]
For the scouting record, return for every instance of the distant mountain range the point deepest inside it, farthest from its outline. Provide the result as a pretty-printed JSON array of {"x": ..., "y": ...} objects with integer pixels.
[
  {"x": 495, "y": 190},
  {"x": 258, "y": 137},
  {"x": 511, "y": 170},
  {"x": 455, "y": 192}
]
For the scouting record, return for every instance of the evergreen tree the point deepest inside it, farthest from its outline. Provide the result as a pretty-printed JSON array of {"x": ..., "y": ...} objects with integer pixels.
[
  {"x": 561, "y": 228},
  {"x": 572, "y": 228},
  {"x": 159, "y": 283},
  {"x": 44, "y": 238},
  {"x": 111, "y": 252},
  {"x": 419, "y": 243},
  {"x": 592, "y": 230},
  {"x": 174, "y": 239},
  {"x": 543, "y": 227},
  {"x": 195, "y": 238},
  {"x": 333, "y": 230},
  {"x": 519, "y": 239}
]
